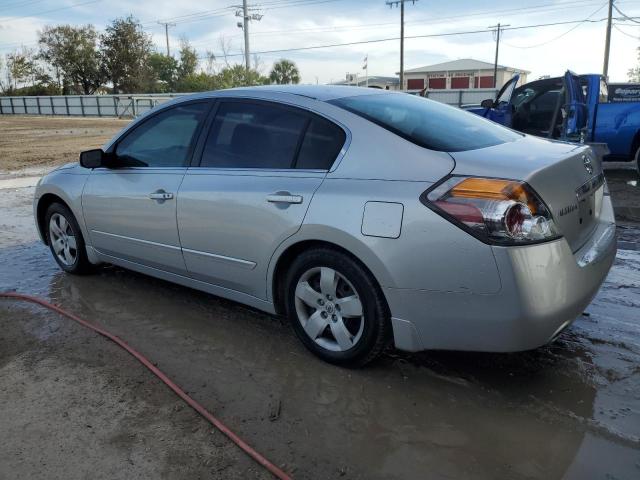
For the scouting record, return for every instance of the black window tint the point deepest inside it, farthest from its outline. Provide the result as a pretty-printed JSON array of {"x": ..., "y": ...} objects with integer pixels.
[
  {"x": 164, "y": 139},
  {"x": 253, "y": 135},
  {"x": 427, "y": 123},
  {"x": 321, "y": 145}
]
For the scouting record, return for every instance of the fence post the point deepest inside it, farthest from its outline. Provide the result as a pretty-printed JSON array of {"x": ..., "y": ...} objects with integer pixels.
[
  {"x": 24, "y": 103},
  {"x": 82, "y": 105},
  {"x": 66, "y": 105},
  {"x": 13, "y": 110},
  {"x": 115, "y": 106},
  {"x": 52, "y": 107},
  {"x": 1, "y": 109},
  {"x": 98, "y": 105},
  {"x": 459, "y": 98},
  {"x": 38, "y": 104}
]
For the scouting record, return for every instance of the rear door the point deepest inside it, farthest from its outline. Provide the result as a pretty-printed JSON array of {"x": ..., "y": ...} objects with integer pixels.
[
  {"x": 130, "y": 209},
  {"x": 574, "y": 111},
  {"x": 261, "y": 162},
  {"x": 502, "y": 110}
]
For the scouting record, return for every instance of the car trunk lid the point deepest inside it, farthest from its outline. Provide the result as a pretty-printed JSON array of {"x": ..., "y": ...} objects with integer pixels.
[{"x": 568, "y": 178}]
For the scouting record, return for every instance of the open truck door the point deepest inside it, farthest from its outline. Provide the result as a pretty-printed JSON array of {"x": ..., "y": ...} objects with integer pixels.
[
  {"x": 575, "y": 113},
  {"x": 500, "y": 110}
]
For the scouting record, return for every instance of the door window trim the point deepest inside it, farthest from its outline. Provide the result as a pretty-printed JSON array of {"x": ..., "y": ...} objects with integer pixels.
[
  {"x": 192, "y": 146},
  {"x": 310, "y": 114}
]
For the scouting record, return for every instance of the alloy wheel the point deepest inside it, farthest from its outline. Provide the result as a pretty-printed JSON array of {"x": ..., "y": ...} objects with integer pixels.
[
  {"x": 63, "y": 240},
  {"x": 329, "y": 309}
]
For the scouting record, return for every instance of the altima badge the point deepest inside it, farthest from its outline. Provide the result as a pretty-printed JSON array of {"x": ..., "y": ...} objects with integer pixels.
[{"x": 586, "y": 160}]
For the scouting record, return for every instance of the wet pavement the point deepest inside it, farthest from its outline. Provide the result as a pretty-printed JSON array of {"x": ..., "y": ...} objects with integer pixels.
[{"x": 568, "y": 410}]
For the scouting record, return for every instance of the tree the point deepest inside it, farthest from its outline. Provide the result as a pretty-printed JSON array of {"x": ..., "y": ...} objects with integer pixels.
[
  {"x": 188, "y": 60},
  {"x": 21, "y": 68},
  {"x": 239, "y": 76},
  {"x": 73, "y": 53},
  {"x": 634, "y": 73},
  {"x": 125, "y": 51},
  {"x": 284, "y": 72},
  {"x": 164, "y": 72}
]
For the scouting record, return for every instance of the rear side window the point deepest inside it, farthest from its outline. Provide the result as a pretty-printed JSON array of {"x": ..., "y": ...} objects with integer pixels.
[
  {"x": 321, "y": 145},
  {"x": 253, "y": 135},
  {"x": 164, "y": 139},
  {"x": 428, "y": 123}
]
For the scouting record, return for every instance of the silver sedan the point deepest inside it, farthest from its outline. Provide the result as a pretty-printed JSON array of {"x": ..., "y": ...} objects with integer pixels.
[{"x": 366, "y": 217}]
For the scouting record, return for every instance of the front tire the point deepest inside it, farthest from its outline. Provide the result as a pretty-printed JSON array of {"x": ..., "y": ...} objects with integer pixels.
[
  {"x": 336, "y": 308},
  {"x": 65, "y": 240}
]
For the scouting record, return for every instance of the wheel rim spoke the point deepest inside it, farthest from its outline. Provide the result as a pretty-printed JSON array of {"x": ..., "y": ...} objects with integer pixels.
[
  {"x": 58, "y": 246},
  {"x": 67, "y": 255},
  {"x": 55, "y": 229},
  {"x": 71, "y": 241},
  {"x": 328, "y": 281},
  {"x": 308, "y": 295},
  {"x": 315, "y": 325},
  {"x": 341, "y": 334},
  {"x": 350, "y": 306},
  {"x": 63, "y": 224}
]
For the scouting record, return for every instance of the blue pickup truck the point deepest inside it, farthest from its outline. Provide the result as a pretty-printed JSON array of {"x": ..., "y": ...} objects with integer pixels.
[{"x": 573, "y": 108}]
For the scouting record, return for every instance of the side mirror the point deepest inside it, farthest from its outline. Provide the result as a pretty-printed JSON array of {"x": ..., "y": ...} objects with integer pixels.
[
  {"x": 488, "y": 103},
  {"x": 92, "y": 158}
]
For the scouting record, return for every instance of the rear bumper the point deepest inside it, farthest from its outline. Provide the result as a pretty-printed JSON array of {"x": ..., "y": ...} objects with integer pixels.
[{"x": 544, "y": 288}]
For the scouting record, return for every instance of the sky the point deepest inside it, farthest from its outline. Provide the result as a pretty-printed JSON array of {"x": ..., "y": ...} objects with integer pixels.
[{"x": 290, "y": 24}]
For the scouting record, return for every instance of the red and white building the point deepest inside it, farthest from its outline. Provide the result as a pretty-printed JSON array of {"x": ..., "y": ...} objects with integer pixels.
[{"x": 459, "y": 74}]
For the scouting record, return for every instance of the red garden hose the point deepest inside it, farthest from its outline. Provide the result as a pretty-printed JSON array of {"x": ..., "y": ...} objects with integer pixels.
[{"x": 277, "y": 472}]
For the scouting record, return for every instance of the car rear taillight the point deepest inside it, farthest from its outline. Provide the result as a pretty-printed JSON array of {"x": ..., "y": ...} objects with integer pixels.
[{"x": 506, "y": 212}]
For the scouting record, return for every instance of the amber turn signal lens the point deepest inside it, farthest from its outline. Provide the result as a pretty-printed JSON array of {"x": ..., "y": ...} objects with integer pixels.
[{"x": 494, "y": 189}]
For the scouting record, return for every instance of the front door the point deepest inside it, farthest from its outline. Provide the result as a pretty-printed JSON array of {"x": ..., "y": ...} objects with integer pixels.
[
  {"x": 502, "y": 110},
  {"x": 260, "y": 166},
  {"x": 130, "y": 208}
]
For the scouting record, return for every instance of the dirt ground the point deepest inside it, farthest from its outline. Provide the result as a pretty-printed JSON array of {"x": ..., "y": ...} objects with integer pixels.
[
  {"x": 35, "y": 141},
  {"x": 72, "y": 405}
]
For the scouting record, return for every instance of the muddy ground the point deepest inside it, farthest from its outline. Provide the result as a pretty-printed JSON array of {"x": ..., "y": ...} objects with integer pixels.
[{"x": 74, "y": 406}]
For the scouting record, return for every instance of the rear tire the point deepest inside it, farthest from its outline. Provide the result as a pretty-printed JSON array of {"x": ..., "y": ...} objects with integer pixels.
[
  {"x": 336, "y": 308},
  {"x": 65, "y": 240}
]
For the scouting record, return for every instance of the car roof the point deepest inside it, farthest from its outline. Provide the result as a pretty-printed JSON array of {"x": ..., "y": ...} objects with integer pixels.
[{"x": 317, "y": 92}]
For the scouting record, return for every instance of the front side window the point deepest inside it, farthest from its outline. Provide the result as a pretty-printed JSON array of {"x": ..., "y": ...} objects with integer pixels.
[
  {"x": 254, "y": 135},
  {"x": 163, "y": 140},
  {"x": 427, "y": 123}
]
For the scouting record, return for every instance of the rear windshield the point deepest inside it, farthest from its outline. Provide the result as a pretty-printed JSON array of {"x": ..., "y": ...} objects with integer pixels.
[{"x": 427, "y": 123}]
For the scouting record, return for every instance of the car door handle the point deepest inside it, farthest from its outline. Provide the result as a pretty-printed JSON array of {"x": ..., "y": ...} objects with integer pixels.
[
  {"x": 161, "y": 195},
  {"x": 284, "y": 198}
]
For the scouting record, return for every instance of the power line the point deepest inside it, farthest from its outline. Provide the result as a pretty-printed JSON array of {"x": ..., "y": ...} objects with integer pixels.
[
  {"x": 20, "y": 4},
  {"x": 586, "y": 20},
  {"x": 52, "y": 10},
  {"x": 615, "y": 25},
  {"x": 625, "y": 15},
  {"x": 433, "y": 35}
]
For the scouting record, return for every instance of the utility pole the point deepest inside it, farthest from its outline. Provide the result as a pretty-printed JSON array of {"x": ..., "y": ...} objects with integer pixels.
[
  {"x": 246, "y": 17},
  {"x": 607, "y": 43},
  {"x": 166, "y": 34},
  {"x": 400, "y": 3},
  {"x": 497, "y": 27}
]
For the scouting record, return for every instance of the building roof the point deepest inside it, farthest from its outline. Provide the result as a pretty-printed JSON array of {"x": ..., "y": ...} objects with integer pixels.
[
  {"x": 463, "y": 64},
  {"x": 362, "y": 80}
]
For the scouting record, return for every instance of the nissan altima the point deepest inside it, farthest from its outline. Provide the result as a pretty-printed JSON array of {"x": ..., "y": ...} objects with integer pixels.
[{"x": 366, "y": 217}]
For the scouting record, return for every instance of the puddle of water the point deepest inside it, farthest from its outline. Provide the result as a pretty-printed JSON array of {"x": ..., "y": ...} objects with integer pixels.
[{"x": 18, "y": 182}]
